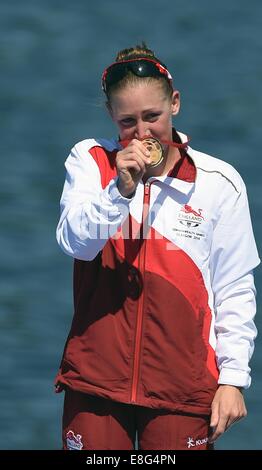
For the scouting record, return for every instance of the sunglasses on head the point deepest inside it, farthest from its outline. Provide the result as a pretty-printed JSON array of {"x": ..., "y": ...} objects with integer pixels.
[{"x": 142, "y": 67}]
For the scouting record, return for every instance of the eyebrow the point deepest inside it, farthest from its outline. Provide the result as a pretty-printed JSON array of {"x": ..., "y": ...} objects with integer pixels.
[{"x": 150, "y": 110}]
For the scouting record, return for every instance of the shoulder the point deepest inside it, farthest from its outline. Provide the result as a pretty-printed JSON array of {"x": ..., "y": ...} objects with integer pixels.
[
  {"x": 87, "y": 145},
  {"x": 212, "y": 166},
  {"x": 94, "y": 157}
]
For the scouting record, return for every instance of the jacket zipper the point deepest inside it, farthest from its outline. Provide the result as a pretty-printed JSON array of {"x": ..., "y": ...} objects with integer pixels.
[{"x": 141, "y": 267}]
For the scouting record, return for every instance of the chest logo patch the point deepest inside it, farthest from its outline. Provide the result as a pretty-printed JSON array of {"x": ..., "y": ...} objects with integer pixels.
[
  {"x": 190, "y": 221},
  {"x": 190, "y": 217}
]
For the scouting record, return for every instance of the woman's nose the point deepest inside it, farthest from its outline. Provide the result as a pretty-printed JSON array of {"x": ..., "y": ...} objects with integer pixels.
[{"x": 141, "y": 130}]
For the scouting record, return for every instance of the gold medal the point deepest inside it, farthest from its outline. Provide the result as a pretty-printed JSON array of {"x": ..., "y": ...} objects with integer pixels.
[{"x": 156, "y": 150}]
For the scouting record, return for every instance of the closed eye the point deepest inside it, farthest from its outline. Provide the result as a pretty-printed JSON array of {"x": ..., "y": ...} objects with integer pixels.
[
  {"x": 127, "y": 121},
  {"x": 151, "y": 117}
]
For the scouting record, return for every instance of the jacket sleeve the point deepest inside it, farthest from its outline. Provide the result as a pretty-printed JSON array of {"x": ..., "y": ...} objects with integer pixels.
[
  {"x": 90, "y": 215},
  {"x": 233, "y": 258}
]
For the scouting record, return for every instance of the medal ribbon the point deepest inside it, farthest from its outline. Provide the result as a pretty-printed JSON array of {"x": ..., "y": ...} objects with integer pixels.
[{"x": 178, "y": 145}]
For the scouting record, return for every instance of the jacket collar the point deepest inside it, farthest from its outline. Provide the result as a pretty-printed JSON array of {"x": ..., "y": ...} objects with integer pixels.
[{"x": 180, "y": 182}]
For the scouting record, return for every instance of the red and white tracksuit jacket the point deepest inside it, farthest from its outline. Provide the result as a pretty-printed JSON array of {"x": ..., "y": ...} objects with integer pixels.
[{"x": 163, "y": 286}]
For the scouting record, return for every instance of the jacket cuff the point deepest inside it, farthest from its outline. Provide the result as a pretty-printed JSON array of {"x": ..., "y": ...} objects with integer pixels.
[
  {"x": 239, "y": 378},
  {"x": 116, "y": 196}
]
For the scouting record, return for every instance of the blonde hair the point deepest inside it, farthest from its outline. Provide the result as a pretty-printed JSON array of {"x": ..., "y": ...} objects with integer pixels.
[
  {"x": 137, "y": 52},
  {"x": 140, "y": 51}
]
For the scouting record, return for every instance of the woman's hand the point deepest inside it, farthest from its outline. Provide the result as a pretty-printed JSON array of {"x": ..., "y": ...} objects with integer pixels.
[
  {"x": 131, "y": 166},
  {"x": 228, "y": 406}
]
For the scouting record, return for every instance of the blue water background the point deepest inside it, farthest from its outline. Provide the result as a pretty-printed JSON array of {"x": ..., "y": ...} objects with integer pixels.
[{"x": 52, "y": 54}]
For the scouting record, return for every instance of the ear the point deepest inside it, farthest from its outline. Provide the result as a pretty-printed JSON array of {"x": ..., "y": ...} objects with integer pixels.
[{"x": 175, "y": 106}]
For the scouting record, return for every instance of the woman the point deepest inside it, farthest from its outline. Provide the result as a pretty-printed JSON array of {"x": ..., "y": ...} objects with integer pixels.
[{"x": 163, "y": 287}]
